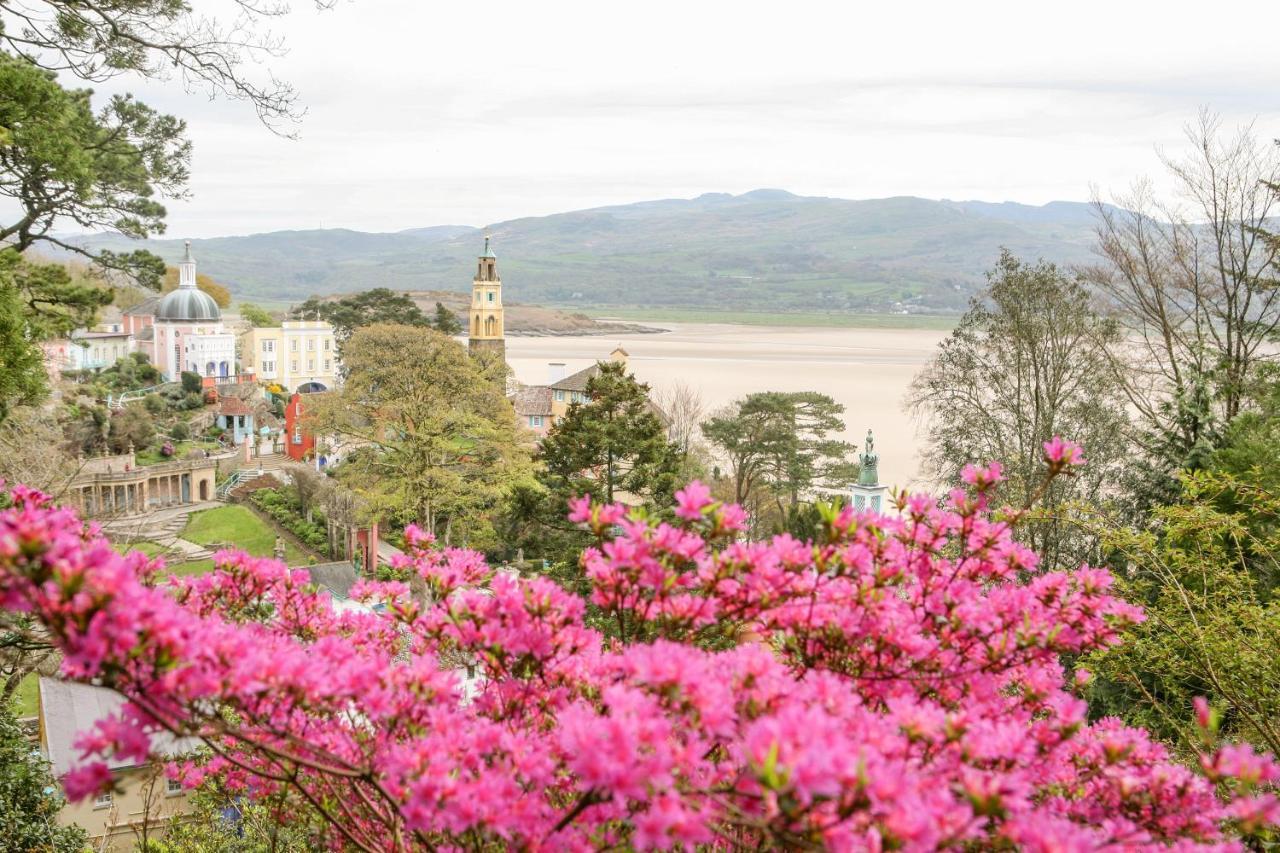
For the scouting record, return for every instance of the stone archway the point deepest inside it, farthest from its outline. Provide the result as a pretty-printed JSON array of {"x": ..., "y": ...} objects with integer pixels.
[{"x": 204, "y": 490}]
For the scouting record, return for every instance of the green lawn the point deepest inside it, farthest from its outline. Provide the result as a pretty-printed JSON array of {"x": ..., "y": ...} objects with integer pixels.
[
  {"x": 236, "y": 527},
  {"x": 753, "y": 318},
  {"x": 24, "y": 699}
]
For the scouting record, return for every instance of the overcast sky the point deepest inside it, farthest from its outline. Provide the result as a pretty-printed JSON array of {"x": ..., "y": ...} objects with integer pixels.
[{"x": 425, "y": 113}]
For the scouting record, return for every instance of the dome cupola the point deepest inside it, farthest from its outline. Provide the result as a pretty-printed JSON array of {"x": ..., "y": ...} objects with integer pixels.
[{"x": 188, "y": 303}]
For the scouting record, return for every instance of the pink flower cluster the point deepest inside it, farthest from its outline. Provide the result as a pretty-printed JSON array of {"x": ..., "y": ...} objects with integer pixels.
[{"x": 895, "y": 684}]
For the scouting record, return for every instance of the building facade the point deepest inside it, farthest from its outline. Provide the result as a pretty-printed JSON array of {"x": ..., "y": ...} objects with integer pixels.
[
  {"x": 296, "y": 355},
  {"x": 115, "y": 485},
  {"x": 485, "y": 331},
  {"x": 188, "y": 331},
  {"x": 98, "y": 350},
  {"x": 143, "y": 794}
]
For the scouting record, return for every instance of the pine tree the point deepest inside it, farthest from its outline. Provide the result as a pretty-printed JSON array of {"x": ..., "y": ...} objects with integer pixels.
[
  {"x": 613, "y": 443},
  {"x": 446, "y": 321}
]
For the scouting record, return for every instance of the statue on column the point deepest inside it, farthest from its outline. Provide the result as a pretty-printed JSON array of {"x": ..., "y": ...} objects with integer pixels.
[{"x": 869, "y": 461}]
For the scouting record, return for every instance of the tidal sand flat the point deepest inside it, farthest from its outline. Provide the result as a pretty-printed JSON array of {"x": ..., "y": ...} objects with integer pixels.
[{"x": 868, "y": 370}]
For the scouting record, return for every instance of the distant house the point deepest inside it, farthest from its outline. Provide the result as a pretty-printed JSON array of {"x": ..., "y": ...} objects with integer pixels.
[
  {"x": 144, "y": 794},
  {"x": 141, "y": 316},
  {"x": 299, "y": 443},
  {"x": 568, "y": 389},
  {"x": 97, "y": 350},
  {"x": 533, "y": 408},
  {"x": 236, "y": 417}
]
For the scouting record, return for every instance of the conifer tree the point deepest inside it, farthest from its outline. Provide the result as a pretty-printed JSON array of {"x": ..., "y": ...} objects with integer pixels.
[{"x": 615, "y": 442}]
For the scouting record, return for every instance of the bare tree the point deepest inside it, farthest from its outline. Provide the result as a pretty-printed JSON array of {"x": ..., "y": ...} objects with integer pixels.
[
  {"x": 158, "y": 39},
  {"x": 1193, "y": 280},
  {"x": 684, "y": 408},
  {"x": 313, "y": 487},
  {"x": 1028, "y": 361}
]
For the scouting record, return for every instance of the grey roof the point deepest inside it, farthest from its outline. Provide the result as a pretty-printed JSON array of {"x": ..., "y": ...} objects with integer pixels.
[
  {"x": 67, "y": 709},
  {"x": 532, "y": 401},
  {"x": 338, "y": 578},
  {"x": 187, "y": 303},
  {"x": 143, "y": 308},
  {"x": 577, "y": 381}
]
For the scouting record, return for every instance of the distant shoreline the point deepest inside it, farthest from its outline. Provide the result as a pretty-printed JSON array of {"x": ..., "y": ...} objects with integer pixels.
[{"x": 933, "y": 322}]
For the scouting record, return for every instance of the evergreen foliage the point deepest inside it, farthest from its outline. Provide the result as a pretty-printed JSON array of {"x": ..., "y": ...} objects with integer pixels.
[{"x": 29, "y": 801}]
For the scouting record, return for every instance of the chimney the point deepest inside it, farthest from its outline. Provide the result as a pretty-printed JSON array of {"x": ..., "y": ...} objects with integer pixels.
[{"x": 555, "y": 372}]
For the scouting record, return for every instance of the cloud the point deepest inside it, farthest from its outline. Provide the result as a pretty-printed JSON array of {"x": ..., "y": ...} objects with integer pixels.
[{"x": 421, "y": 114}]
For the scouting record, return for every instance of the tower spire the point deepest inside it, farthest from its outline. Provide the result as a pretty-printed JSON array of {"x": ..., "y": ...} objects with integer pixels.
[{"x": 187, "y": 269}]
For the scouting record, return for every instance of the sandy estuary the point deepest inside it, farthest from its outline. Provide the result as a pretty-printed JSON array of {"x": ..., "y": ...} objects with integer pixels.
[{"x": 868, "y": 370}]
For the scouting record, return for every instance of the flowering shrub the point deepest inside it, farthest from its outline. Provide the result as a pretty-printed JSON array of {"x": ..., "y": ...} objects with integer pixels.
[{"x": 896, "y": 683}]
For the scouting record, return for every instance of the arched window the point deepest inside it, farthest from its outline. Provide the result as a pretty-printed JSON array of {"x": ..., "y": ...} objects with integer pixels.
[
  {"x": 224, "y": 369},
  {"x": 489, "y": 324},
  {"x": 208, "y": 369}
]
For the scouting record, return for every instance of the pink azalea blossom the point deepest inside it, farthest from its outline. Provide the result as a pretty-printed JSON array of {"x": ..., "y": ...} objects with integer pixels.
[{"x": 897, "y": 683}]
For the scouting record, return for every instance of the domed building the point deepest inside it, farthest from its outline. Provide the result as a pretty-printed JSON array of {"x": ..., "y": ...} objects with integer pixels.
[{"x": 188, "y": 330}]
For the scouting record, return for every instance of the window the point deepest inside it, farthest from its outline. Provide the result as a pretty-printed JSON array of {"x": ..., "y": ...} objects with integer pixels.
[
  {"x": 173, "y": 788},
  {"x": 875, "y": 503},
  {"x": 297, "y": 434},
  {"x": 326, "y": 365},
  {"x": 293, "y": 345},
  {"x": 311, "y": 344},
  {"x": 326, "y": 344},
  {"x": 535, "y": 420},
  {"x": 103, "y": 801},
  {"x": 268, "y": 367},
  {"x": 490, "y": 295},
  {"x": 559, "y": 396},
  {"x": 859, "y": 501},
  {"x": 268, "y": 346},
  {"x": 293, "y": 365},
  {"x": 311, "y": 365}
]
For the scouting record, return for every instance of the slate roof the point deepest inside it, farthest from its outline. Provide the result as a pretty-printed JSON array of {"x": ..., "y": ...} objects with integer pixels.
[
  {"x": 68, "y": 709},
  {"x": 534, "y": 400},
  {"x": 338, "y": 578},
  {"x": 144, "y": 308},
  {"x": 576, "y": 381}
]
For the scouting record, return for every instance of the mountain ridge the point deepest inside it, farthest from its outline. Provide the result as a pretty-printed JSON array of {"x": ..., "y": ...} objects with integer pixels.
[{"x": 767, "y": 249}]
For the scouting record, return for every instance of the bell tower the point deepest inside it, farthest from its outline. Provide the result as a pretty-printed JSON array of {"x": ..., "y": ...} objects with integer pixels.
[{"x": 485, "y": 332}]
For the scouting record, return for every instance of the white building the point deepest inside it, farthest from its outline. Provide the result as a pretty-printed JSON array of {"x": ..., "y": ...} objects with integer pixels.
[{"x": 189, "y": 335}]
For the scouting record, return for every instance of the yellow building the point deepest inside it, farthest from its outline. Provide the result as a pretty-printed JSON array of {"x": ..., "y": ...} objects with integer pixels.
[
  {"x": 144, "y": 800},
  {"x": 485, "y": 332},
  {"x": 297, "y": 355}
]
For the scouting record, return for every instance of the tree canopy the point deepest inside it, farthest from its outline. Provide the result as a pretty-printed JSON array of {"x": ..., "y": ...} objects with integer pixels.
[
  {"x": 612, "y": 443},
  {"x": 62, "y": 162},
  {"x": 782, "y": 441},
  {"x": 366, "y": 308},
  {"x": 435, "y": 441},
  {"x": 256, "y": 316},
  {"x": 1029, "y": 360}
]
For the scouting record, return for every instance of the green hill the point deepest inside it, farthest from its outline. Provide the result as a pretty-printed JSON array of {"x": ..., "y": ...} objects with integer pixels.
[{"x": 766, "y": 250}]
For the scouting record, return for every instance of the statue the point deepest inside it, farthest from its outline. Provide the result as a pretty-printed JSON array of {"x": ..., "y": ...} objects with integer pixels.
[{"x": 869, "y": 473}]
